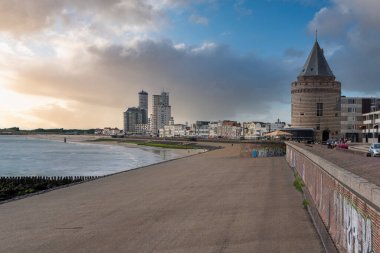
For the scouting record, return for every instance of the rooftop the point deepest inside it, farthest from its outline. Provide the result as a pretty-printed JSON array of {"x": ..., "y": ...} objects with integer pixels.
[{"x": 316, "y": 64}]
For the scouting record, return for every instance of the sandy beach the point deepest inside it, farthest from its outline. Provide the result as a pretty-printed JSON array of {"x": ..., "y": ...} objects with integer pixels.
[{"x": 89, "y": 138}]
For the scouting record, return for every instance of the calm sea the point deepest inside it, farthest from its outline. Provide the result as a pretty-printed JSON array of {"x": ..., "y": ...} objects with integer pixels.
[{"x": 23, "y": 156}]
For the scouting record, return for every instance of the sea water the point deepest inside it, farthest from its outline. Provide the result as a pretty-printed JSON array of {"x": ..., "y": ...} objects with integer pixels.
[{"x": 24, "y": 156}]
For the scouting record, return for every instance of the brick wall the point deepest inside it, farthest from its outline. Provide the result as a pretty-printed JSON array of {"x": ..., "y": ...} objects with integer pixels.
[{"x": 347, "y": 204}]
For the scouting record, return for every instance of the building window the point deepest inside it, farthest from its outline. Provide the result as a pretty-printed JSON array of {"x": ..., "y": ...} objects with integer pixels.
[
  {"x": 319, "y": 109},
  {"x": 318, "y": 127}
]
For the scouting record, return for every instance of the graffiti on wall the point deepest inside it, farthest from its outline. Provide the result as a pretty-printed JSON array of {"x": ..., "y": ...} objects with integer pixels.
[
  {"x": 263, "y": 150},
  {"x": 356, "y": 227},
  {"x": 350, "y": 221}
]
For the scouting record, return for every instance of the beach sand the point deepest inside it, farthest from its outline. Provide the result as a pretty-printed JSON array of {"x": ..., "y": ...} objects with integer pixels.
[{"x": 89, "y": 138}]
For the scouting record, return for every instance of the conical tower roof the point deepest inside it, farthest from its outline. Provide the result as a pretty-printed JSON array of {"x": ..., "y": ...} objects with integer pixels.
[{"x": 316, "y": 64}]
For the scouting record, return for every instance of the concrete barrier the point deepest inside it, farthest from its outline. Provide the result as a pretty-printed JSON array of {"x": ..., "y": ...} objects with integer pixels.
[{"x": 348, "y": 205}]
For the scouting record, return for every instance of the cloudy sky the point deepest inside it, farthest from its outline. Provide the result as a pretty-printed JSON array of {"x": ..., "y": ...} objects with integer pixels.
[{"x": 80, "y": 64}]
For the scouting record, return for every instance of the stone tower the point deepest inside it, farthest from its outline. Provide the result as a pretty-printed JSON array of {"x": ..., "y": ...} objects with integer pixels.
[{"x": 316, "y": 97}]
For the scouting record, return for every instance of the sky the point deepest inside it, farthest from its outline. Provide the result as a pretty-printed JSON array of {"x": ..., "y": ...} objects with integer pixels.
[{"x": 80, "y": 64}]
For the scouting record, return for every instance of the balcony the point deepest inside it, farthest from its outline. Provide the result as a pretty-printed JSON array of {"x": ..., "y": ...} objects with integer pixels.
[
  {"x": 377, "y": 120},
  {"x": 367, "y": 122}
]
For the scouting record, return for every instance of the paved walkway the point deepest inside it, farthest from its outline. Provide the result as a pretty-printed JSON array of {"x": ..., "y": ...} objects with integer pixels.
[{"x": 213, "y": 202}]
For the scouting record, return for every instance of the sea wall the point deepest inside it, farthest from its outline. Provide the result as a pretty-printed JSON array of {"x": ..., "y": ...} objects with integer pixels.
[{"x": 348, "y": 205}]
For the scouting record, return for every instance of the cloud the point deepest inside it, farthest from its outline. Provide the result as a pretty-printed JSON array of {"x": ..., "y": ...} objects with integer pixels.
[
  {"x": 355, "y": 53},
  {"x": 35, "y": 15},
  {"x": 291, "y": 52},
  {"x": 199, "y": 20},
  {"x": 205, "y": 82}
]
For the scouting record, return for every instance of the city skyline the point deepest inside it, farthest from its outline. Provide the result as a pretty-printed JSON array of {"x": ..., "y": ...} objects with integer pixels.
[{"x": 79, "y": 64}]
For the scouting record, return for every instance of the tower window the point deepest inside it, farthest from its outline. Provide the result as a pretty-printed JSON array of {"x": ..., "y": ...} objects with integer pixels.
[{"x": 319, "y": 109}]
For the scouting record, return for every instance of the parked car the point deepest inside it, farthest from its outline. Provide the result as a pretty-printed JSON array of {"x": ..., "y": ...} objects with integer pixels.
[
  {"x": 374, "y": 149},
  {"x": 343, "y": 145},
  {"x": 331, "y": 143}
]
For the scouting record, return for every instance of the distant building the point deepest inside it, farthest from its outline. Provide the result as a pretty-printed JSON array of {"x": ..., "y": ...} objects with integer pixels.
[
  {"x": 201, "y": 129},
  {"x": 161, "y": 113},
  {"x": 352, "y": 110},
  {"x": 143, "y": 104},
  {"x": 254, "y": 129},
  {"x": 278, "y": 125},
  {"x": 132, "y": 117},
  {"x": 142, "y": 129},
  {"x": 112, "y": 131},
  {"x": 173, "y": 130},
  {"x": 215, "y": 129},
  {"x": 226, "y": 129},
  {"x": 136, "y": 118},
  {"x": 371, "y": 127},
  {"x": 98, "y": 131},
  {"x": 316, "y": 97}
]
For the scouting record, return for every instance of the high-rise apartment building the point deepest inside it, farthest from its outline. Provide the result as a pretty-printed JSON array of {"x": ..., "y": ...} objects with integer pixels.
[
  {"x": 132, "y": 117},
  {"x": 316, "y": 97},
  {"x": 161, "y": 112},
  {"x": 143, "y": 104},
  {"x": 136, "y": 118}
]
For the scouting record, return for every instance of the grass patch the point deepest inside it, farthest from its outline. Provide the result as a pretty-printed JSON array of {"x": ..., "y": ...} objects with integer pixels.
[
  {"x": 162, "y": 145},
  {"x": 298, "y": 183},
  {"x": 147, "y": 143},
  {"x": 116, "y": 140},
  {"x": 305, "y": 203}
]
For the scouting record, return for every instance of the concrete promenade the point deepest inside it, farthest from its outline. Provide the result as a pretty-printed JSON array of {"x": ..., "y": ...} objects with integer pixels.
[{"x": 212, "y": 202}]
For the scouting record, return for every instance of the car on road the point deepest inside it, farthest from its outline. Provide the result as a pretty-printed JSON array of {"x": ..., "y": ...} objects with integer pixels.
[{"x": 374, "y": 149}]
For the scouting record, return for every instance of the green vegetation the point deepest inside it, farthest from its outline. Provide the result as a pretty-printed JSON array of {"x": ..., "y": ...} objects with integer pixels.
[
  {"x": 163, "y": 145},
  {"x": 305, "y": 203},
  {"x": 11, "y": 187},
  {"x": 172, "y": 145},
  {"x": 298, "y": 183}
]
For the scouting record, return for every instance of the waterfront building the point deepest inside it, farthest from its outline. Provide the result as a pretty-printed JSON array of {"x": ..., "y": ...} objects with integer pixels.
[
  {"x": 142, "y": 129},
  {"x": 352, "y": 110},
  {"x": 214, "y": 129},
  {"x": 316, "y": 97},
  {"x": 112, "y": 131},
  {"x": 136, "y": 118},
  {"x": 132, "y": 117},
  {"x": 161, "y": 112},
  {"x": 371, "y": 127},
  {"x": 225, "y": 129},
  {"x": 174, "y": 130},
  {"x": 143, "y": 104},
  {"x": 254, "y": 129},
  {"x": 200, "y": 129}
]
